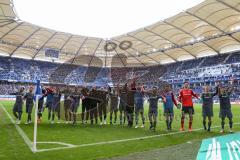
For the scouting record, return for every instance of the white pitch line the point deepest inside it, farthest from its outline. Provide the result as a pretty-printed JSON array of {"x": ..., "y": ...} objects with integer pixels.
[
  {"x": 20, "y": 131},
  {"x": 124, "y": 140},
  {"x": 60, "y": 143}
]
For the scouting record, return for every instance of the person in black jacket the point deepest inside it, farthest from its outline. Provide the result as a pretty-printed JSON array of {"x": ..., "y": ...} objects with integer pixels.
[
  {"x": 113, "y": 106},
  {"x": 75, "y": 104},
  {"x": 85, "y": 104},
  {"x": 122, "y": 92},
  {"x": 67, "y": 104},
  {"x": 40, "y": 105},
  {"x": 102, "y": 109},
  {"x": 56, "y": 104},
  {"x": 93, "y": 102},
  {"x": 29, "y": 104},
  {"x": 17, "y": 108},
  {"x": 130, "y": 103}
]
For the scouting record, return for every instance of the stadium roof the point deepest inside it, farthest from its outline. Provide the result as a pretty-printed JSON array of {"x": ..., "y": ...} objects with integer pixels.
[{"x": 210, "y": 28}]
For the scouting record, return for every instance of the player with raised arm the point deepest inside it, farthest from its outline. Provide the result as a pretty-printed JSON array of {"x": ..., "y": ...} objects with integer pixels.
[
  {"x": 102, "y": 109},
  {"x": 67, "y": 104},
  {"x": 207, "y": 106},
  {"x": 123, "y": 103},
  {"x": 85, "y": 104},
  {"x": 139, "y": 105},
  {"x": 94, "y": 101},
  {"x": 168, "y": 104},
  {"x": 29, "y": 96},
  {"x": 56, "y": 104},
  {"x": 49, "y": 103},
  {"x": 40, "y": 104},
  {"x": 185, "y": 97},
  {"x": 224, "y": 93},
  {"x": 153, "y": 99},
  {"x": 131, "y": 89},
  {"x": 113, "y": 96},
  {"x": 75, "y": 104}
]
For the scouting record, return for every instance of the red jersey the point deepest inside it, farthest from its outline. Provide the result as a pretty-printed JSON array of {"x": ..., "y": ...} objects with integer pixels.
[{"x": 185, "y": 97}]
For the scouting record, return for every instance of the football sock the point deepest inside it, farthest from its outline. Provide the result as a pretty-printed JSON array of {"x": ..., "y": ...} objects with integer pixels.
[
  {"x": 182, "y": 122},
  {"x": 19, "y": 115},
  {"x": 190, "y": 124},
  {"x": 49, "y": 115},
  {"x": 170, "y": 124},
  {"x": 222, "y": 123},
  {"x": 167, "y": 123},
  {"x": 29, "y": 117},
  {"x": 209, "y": 125},
  {"x": 154, "y": 124},
  {"x": 204, "y": 124},
  {"x": 230, "y": 123},
  {"x": 15, "y": 114}
]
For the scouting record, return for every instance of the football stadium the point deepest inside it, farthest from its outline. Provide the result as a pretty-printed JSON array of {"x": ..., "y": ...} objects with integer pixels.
[{"x": 141, "y": 80}]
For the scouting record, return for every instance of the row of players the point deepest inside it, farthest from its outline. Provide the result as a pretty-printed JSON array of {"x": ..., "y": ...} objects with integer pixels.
[{"x": 128, "y": 99}]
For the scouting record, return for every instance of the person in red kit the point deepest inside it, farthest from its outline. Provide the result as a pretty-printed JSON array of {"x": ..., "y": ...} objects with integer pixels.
[{"x": 185, "y": 97}]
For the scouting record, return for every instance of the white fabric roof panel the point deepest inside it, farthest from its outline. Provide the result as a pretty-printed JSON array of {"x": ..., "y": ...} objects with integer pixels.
[{"x": 212, "y": 27}]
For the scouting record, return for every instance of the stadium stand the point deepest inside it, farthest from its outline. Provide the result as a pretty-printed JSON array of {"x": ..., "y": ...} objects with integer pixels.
[{"x": 211, "y": 69}]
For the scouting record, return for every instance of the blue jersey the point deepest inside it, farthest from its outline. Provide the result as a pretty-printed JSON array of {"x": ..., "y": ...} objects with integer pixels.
[
  {"x": 139, "y": 99},
  {"x": 169, "y": 100}
]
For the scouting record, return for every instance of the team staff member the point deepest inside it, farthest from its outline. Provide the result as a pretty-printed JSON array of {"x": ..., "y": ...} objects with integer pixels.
[
  {"x": 75, "y": 104},
  {"x": 123, "y": 103},
  {"x": 29, "y": 104},
  {"x": 85, "y": 104},
  {"x": 49, "y": 103},
  {"x": 40, "y": 105},
  {"x": 67, "y": 104},
  {"x": 56, "y": 104},
  {"x": 17, "y": 108},
  {"x": 93, "y": 102},
  {"x": 185, "y": 97}
]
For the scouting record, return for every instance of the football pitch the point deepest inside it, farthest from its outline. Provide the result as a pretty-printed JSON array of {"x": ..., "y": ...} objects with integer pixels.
[{"x": 84, "y": 141}]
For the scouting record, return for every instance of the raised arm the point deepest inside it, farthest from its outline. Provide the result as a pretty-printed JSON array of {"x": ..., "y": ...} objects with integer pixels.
[{"x": 231, "y": 88}]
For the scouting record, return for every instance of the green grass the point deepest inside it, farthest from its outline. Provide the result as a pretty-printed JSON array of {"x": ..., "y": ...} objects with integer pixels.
[{"x": 12, "y": 145}]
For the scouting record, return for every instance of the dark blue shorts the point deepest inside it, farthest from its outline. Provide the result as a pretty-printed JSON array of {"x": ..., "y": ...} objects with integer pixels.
[
  {"x": 29, "y": 108},
  {"x": 168, "y": 111},
  {"x": 225, "y": 113},
  {"x": 153, "y": 112},
  {"x": 207, "y": 111},
  {"x": 188, "y": 109}
]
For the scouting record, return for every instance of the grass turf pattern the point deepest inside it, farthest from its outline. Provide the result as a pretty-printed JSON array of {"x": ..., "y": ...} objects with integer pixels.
[{"x": 12, "y": 145}]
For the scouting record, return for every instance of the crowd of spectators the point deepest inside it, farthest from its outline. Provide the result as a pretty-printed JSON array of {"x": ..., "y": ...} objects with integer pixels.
[{"x": 200, "y": 70}]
